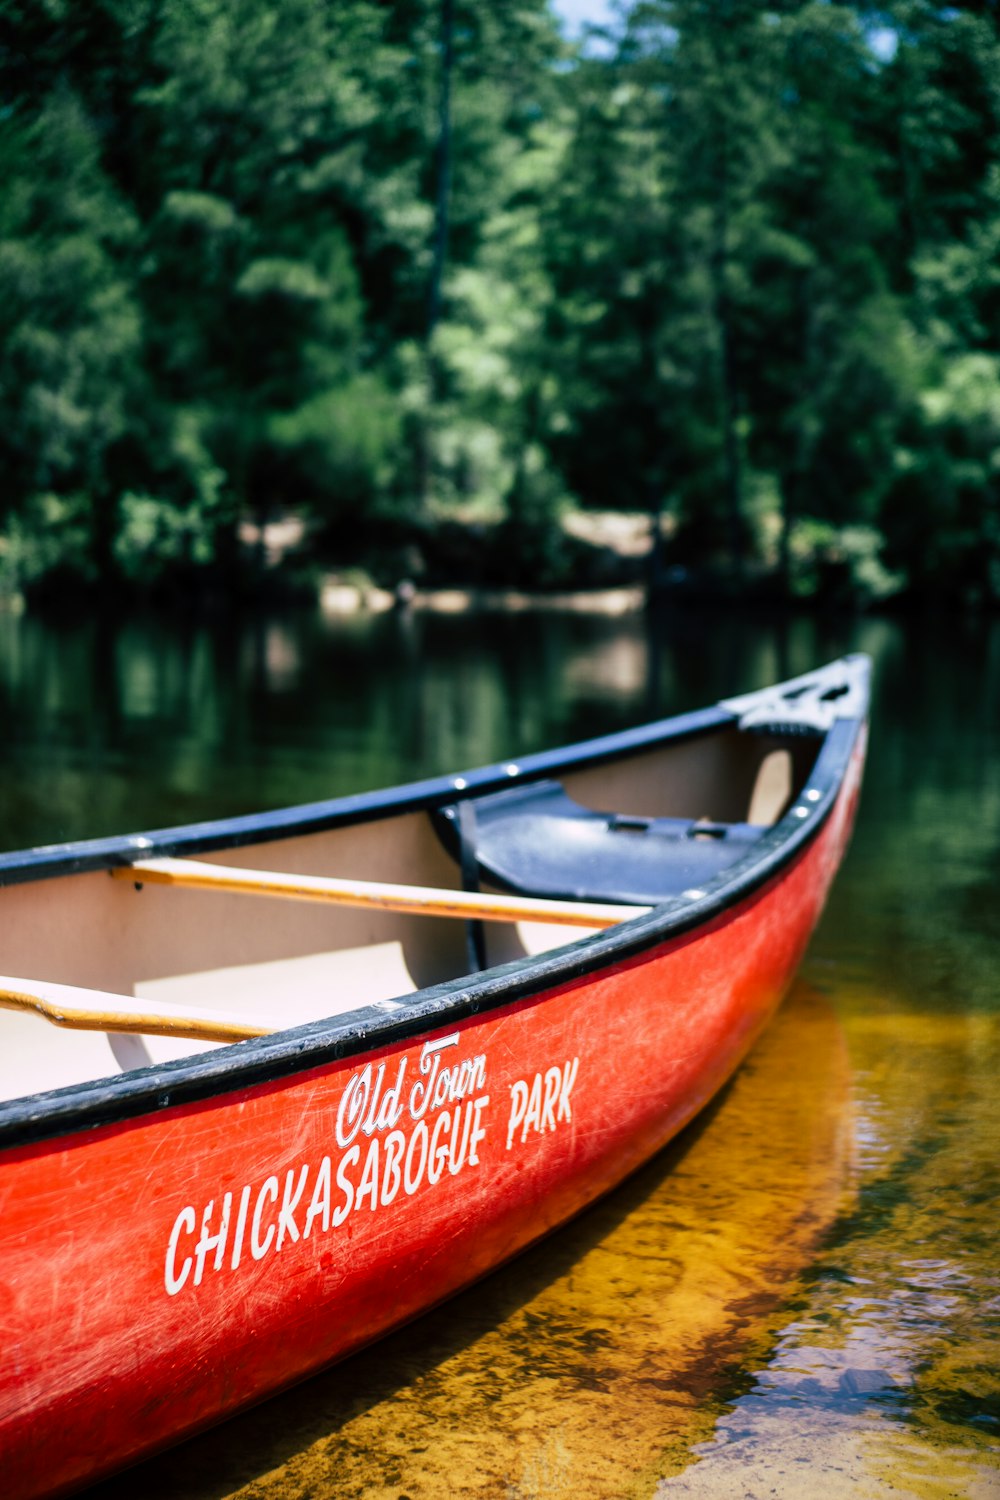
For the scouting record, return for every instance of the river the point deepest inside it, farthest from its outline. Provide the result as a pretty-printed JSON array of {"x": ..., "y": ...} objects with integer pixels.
[{"x": 801, "y": 1296}]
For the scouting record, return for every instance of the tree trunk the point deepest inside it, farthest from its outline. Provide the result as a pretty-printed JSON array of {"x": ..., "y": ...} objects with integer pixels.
[
  {"x": 728, "y": 394},
  {"x": 443, "y": 169},
  {"x": 442, "y": 198}
]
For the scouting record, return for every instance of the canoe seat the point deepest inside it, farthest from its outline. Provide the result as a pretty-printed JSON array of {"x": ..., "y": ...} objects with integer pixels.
[{"x": 536, "y": 840}]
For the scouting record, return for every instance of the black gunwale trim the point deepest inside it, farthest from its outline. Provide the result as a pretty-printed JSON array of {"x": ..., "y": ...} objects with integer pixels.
[
  {"x": 78, "y": 858},
  {"x": 245, "y": 1065}
]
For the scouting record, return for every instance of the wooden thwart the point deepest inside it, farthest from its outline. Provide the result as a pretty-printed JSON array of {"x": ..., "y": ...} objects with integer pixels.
[
  {"x": 428, "y": 900},
  {"x": 96, "y": 1010}
]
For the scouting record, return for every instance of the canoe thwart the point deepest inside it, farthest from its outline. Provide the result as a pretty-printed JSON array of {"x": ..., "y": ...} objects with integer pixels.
[
  {"x": 96, "y": 1010},
  {"x": 427, "y": 900}
]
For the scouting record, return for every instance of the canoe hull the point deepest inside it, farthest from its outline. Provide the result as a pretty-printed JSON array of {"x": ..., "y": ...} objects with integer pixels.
[{"x": 162, "y": 1272}]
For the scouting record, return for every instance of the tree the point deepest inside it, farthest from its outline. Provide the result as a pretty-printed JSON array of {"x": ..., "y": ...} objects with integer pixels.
[
  {"x": 69, "y": 334},
  {"x": 823, "y": 332},
  {"x": 674, "y": 137},
  {"x": 939, "y": 118}
]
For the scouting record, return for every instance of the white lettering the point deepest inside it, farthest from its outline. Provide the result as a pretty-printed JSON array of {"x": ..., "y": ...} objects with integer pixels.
[
  {"x": 553, "y": 1079},
  {"x": 570, "y": 1071},
  {"x": 216, "y": 1242},
  {"x": 241, "y": 1224},
  {"x": 353, "y": 1104},
  {"x": 395, "y": 1145},
  {"x": 349, "y": 1159},
  {"x": 533, "y": 1118},
  {"x": 319, "y": 1207},
  {"x": 439, "y": 1153},
  {"x": 478, "y": 1131},
  {"x": 518, "y": 1104},
  {"x": 259, "y": 1247},
  {"x": 289, "y": 1203},
  {"x": 184, "y": 1221},
  {"x": 456, "y": 1153},
  {"x": 414, "y": 1131},
  {"x": 371, "y": 1122},
  {"x": 420, "y": 1094},
  {"x": 542, "y": 1104},
  {"x": 391, "y": 1107},
  {"x": 369, "y": 1177},
  {"x": 411, "y": 1180}
]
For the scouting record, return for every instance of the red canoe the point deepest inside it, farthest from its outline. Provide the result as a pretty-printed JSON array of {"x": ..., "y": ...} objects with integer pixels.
[{"x": 469, "y": 1007}]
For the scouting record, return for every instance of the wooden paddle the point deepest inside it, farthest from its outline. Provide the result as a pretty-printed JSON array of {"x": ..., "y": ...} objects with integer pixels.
[{"x": 427, "y": 900}]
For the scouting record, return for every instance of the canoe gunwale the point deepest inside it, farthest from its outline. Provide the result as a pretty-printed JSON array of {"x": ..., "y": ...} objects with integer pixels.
[
  {"x": 225, "y": 1071},
  {"x": 78, "y": 858}
]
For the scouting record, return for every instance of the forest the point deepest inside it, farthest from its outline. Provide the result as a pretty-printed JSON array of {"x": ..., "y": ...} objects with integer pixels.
[{"x": 427, "y": 277}]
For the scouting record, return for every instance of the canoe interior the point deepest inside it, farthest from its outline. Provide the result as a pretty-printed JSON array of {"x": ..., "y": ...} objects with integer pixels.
[{"x": 288, "y": 963}]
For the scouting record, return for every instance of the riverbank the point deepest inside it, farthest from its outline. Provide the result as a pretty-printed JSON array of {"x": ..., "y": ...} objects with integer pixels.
[
  {"x": 579, "y": 560},
  {"x": 340, "y": 598},
  {"x": 582, "y": 561},
  {"x": 459, "y": 562}
]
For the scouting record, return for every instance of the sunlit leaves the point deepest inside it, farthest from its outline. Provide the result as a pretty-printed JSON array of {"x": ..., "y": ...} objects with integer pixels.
[{"x": 739, "y": 263}]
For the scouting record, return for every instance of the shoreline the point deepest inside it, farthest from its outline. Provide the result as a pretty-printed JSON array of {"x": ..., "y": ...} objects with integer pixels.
[{"x": 337, "y": 599}]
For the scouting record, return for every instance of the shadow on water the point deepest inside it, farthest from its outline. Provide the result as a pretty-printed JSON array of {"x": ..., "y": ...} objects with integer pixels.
[
  {"x": 877, "y": 1203},
  {"x": 573, "y": 1370}
]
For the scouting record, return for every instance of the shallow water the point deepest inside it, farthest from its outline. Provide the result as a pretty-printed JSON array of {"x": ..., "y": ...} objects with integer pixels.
[{"x": 801, "y": 1296}]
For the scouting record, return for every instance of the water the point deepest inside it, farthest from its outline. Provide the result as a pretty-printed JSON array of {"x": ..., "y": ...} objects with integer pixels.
[{"x": 801, "y": 1296}]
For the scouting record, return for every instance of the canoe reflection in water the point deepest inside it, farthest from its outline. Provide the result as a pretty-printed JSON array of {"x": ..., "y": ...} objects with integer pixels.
[{"x": 431, "y": 1075}]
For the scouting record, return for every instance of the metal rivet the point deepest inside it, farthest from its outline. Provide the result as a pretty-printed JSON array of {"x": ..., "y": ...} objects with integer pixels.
[
  {"x": 802, "y": 812},
  {"x": 512, "y": 770},
  {"x": 459, "y": 782},
  {"x": 813, "y": 795}
]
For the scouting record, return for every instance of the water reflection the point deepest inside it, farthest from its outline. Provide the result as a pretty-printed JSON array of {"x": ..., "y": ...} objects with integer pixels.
[
  {"x": 145, "y": 722},
  {"x": 885, "y": 1377},
  {"x": 729, "y": 1324}
]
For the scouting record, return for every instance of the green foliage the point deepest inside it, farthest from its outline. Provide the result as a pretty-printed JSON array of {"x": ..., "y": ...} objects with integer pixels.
[
  {"x": 337, "y": 449},
  {"x": 69, "y": 324},
  {"x": 840, "y": 565},
  {"x": 49, "y": 537},
  {"x": 947, "y": 484},
  {"x": 741, "y": 267},
  {"x": 155, "y": 538}
]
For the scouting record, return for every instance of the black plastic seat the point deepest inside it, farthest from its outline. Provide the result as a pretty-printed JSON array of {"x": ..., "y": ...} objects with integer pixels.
[{"x": 537, "y": 841}]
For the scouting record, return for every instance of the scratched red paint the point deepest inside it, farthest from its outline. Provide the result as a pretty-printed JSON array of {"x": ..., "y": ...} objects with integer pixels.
[{"x": 120, "y": 1334}]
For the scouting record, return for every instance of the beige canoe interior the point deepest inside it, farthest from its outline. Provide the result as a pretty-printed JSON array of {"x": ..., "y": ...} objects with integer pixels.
[{"x": 286, "y": 962}]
